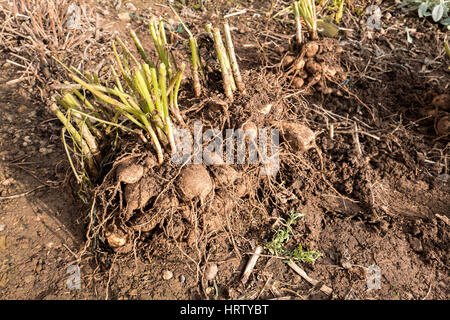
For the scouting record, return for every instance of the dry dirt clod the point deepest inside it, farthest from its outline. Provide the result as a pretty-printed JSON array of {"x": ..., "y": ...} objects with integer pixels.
[
  {"x": 443, "y": 126},
  {"x": 442, "y": 102},
  {"x": 211, "y": 272},
  {"x": 194, "y": 181},
  {"x": 129, "y": 173},
  {"x": 167, "y": 275},
  {"x": 124, "y": 16}
]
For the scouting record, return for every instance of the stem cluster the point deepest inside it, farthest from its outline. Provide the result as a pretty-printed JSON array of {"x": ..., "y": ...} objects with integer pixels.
[{"x": 143, "y": 93}]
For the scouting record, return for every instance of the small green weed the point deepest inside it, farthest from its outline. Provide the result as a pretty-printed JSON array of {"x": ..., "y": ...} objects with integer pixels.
[{"x": 282, "y": 236}]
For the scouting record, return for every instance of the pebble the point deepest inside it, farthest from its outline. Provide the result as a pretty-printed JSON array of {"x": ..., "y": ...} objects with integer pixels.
[
  {"x": 124, "y": 16},
  {"x": 45, "y": 151},
  {"x": 182, "y": 278},
  {"x": 130, "y": 6},
  {"x": 2, "y": 227},
  {"x": 167, "y": 275}
]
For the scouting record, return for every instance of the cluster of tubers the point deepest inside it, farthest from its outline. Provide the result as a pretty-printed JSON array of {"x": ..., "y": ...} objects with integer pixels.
[
  {"x": 316, "y": 63},
  {"x": 144, "y": 202}
]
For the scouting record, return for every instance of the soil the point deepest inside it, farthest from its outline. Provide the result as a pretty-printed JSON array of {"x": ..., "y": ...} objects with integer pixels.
[{"x": 379, "y": 197}]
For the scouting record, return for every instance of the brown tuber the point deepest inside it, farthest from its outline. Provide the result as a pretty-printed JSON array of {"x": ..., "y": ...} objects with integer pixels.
[
  {"x": 129, "y": 173},
  {"x": 298, "y": 136},
  {"x": 443, "y": 126},
  {"x": 194, "y": 181},
  {"x": 298, "y": 83},
  {"x": 287, "y": 61},
  {"x": 250, "y": 130},
  {"x": 299, "y": 64},
  {"x": 312, "y": 66},
  {"x": 138, "y": 194},
  {"x": 311, "y": 49}
]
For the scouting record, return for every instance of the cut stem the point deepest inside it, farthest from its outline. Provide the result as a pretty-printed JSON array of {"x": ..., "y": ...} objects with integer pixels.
[
  {"x": 195, "y": 65},
  {"x": 232, "y": 56},
  {"x": 297, "y": 23},
  {"x": 222, "y": 56}
]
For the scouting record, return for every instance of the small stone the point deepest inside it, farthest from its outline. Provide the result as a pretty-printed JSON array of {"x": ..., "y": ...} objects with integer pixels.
[
  {"x": 45, "y": 151},
  {"x": 2, "y": 227},
  {"x": 167, "y": 275},
  {"x": 182, "y": 279},
  {"x": 7, "y": 182},
  {"x": 209, "y": 290},
  {"x": 124, "y": 16}
]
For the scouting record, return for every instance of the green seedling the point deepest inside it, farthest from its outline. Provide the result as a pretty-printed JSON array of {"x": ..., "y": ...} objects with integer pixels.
[{"x": 282, "y": 236}]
